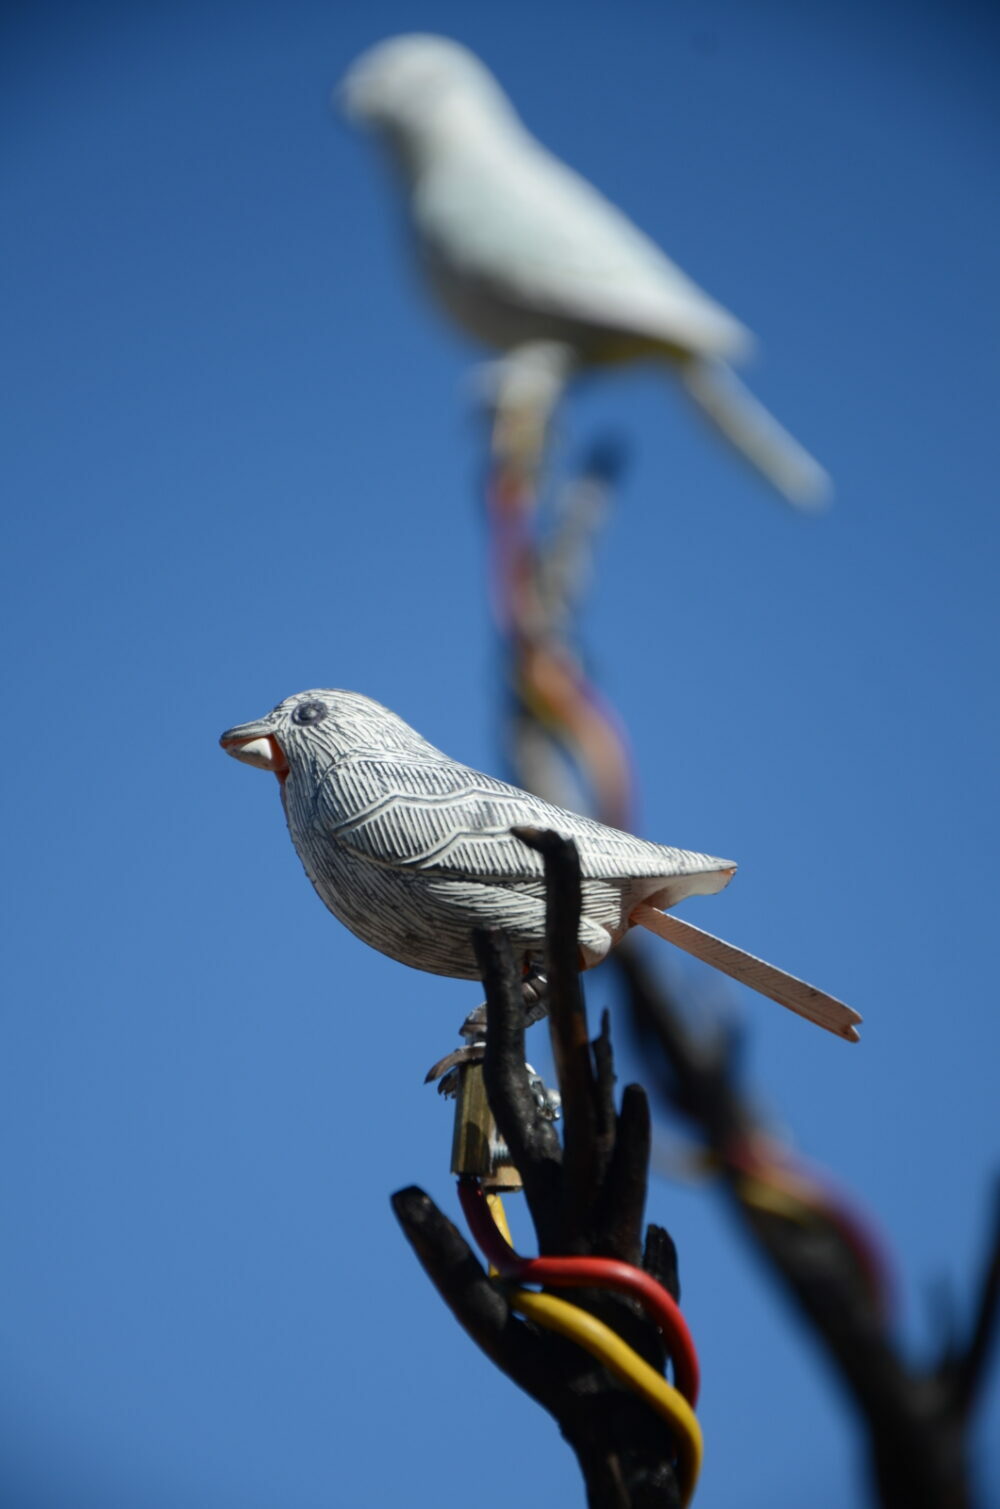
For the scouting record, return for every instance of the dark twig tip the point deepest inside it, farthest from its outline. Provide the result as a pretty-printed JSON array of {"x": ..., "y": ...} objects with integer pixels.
[
  {"x": 555, "y": 849},
  {"x": 411, "y": 1204},
  {"x": 659, "y": 1258}
]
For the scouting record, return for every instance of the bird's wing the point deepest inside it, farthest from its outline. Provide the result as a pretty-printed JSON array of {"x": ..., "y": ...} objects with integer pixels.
[
  {"x": 432, "y": 814},
  {"x": 536, "y": 233}
]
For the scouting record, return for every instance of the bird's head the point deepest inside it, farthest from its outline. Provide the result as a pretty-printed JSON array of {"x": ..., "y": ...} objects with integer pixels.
[
  {"x": 406, "y": 85},
  {"x": 306, "y": 732}
]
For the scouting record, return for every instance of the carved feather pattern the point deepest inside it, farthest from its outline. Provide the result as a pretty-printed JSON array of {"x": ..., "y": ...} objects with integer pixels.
[{"x": 411, "y": 850}]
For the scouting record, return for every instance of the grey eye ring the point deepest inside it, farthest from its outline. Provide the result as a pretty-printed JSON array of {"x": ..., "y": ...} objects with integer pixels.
[{"x": 310, "y": 712}]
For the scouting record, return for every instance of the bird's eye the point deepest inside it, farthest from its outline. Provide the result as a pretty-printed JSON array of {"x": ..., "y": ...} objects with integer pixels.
[{"x": 309, "y": 712}]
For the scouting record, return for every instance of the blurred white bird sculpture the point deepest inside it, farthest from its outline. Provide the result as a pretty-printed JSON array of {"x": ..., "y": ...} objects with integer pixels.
[
  {"x": 412, "y": 850},
  {"x": 521, "y": 250}
]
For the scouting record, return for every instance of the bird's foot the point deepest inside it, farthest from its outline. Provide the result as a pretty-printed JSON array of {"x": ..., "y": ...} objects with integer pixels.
[
  {"x": 449, "y": 1073},
  {"x": 533, "y": 987}
]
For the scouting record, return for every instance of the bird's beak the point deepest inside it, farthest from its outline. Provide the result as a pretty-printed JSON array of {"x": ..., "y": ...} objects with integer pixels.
[{"x": 254, "y": 744}]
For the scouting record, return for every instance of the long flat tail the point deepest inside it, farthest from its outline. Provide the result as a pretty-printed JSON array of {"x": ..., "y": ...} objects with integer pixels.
[
  {"x": 826, "y": 1011},
  {"x": 747, "y": 425}
]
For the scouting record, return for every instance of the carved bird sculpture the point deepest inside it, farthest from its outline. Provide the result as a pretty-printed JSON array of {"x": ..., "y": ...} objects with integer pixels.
[
  {"x": 411, "y": 851},
  {"x": 521, "y": 251}
]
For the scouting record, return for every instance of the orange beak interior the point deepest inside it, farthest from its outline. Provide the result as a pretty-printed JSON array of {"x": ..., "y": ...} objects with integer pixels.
[{"x": 265, "y": 753}]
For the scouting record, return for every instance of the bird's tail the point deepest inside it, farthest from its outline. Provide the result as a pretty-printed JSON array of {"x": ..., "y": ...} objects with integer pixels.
[
  {"x": 826, "y": 1011},
  {"x": 754, "y": 432}
]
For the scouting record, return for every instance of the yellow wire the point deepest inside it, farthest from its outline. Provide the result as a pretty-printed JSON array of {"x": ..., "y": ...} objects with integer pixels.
[
  {"x": 776, "y": 1198},
  {"x": 771, "y": 1187},
  {"x": 620, "y": 1360},
  {"x": 624, "y": 1364},
  {"x": 495, "y": 1205}
]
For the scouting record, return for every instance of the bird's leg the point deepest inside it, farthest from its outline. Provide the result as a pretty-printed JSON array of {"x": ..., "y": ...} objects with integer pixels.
[
  {"x": 535, "y": 990},
  {"x": 522, "y": 389},
  {"x": 478, "y": 1150},
  {"x": 534, "y": 987}
]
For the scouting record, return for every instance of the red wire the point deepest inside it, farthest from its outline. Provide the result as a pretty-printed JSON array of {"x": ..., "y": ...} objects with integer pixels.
[
  {"x": 587, "y": 1273},
  {"x": 821, "y": 1198}
]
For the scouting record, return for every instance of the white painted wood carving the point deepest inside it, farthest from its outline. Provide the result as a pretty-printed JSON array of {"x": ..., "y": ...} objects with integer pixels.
[
  {"x": 411, "y": 850},
  {"x": 519, "y": 249}
]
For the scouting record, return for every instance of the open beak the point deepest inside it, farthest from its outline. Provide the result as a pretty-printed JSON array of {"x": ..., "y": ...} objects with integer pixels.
[{"x": 254, "y": 745}]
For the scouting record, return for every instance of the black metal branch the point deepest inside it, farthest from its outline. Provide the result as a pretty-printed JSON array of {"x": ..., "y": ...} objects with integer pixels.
[
  {"x": 532, "y": 1139},
  {"x": 474, "y": 1299},
  {"x": 659, "y": 1257},
  {"x": 620, "y": 1208},
  {"x": 916, "y": 1420},
  {"x": 971, "y": 1368},
  {"x": 625, "y": 1452},
  {"x": 604, "y": 1078},
  {"x": 584, "y": 1154}
]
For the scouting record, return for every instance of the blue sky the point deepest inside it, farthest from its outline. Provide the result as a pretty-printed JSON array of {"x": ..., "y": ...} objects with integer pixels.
[{"x": 241, "y": 462}]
